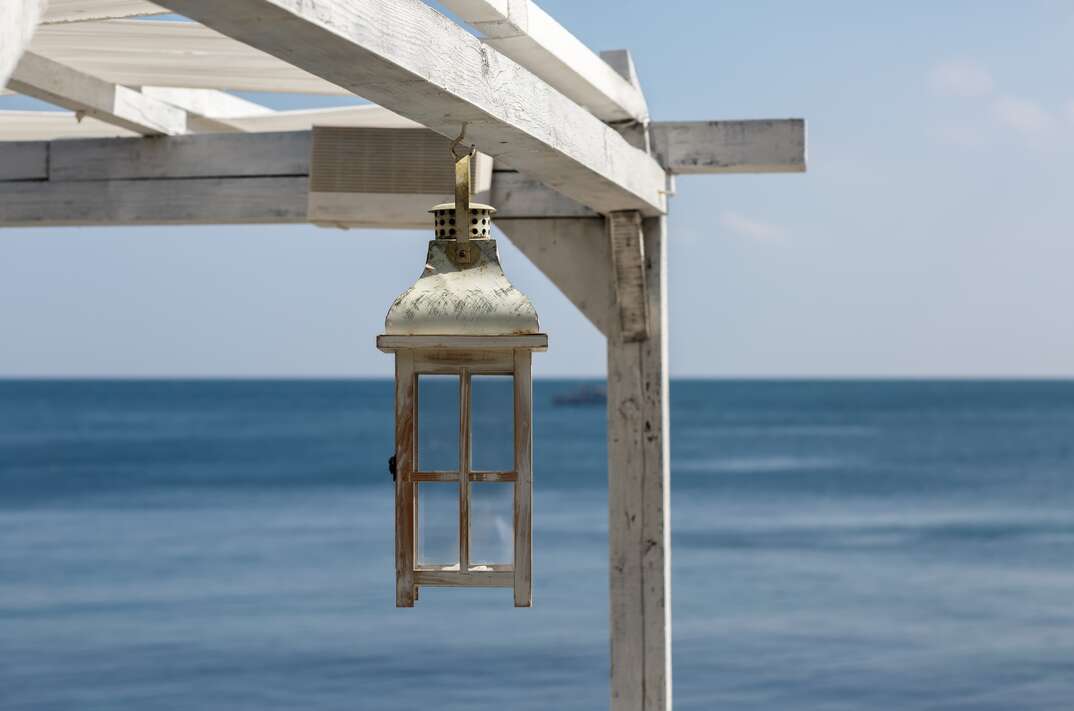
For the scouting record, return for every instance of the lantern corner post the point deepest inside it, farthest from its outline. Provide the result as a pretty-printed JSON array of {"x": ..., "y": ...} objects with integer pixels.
[
  {"x": 523, "y": 557},
  {"x": 405, "y": 414},
  {"x": 639, "y": 531}
]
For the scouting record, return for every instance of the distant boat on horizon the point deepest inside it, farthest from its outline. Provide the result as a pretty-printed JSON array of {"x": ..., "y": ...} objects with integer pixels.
[{"x": 583, "y": 396}]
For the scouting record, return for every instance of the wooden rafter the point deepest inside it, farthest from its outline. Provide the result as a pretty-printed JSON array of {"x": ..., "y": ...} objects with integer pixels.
[
  {"x": 412, "y": 60},
  {"x": 208, "y": 110},
  {"x": 61, "y": 11},
  {"x": 69, "y": 88},
  {"x": 527, "y": 34},
  {"x": 177, "y": 54}
]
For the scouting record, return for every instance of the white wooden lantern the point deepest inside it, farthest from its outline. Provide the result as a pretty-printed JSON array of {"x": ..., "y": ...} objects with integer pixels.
[{"x": 462, "y": 338}]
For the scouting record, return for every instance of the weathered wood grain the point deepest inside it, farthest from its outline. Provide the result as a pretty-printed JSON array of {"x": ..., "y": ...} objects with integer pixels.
[
  {"x": 530, "y": 36},
  {"x": 410, "y": 59},
  {"x": 760, "y": 146},
  {"x": 196, "y": 156},
  {"x": 638, "y": 489},
  {"x": 153, "y": 202},
  {"x": 628, "y": 273}
]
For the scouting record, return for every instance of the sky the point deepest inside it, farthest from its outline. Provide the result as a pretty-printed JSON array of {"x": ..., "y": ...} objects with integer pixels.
[{"x": 932, "y": 235}]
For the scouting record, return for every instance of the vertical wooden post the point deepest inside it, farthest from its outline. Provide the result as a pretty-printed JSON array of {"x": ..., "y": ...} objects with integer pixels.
[
  {"x": 523, "y": 559},
  {"x": 639, "y": 533},
  {"x": 405, "y": 414}
]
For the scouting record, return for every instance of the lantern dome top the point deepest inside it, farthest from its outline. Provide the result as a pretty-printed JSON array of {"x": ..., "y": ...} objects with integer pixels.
[{"x": 463, "y": 290}]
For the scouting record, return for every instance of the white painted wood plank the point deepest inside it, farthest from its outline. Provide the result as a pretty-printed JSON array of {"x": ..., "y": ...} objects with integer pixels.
[
  {"x": 60, "y": 11},
  {"x": 153, "y": 202},
  {"x": 638, "y": 495},
  {"x": 208, "y": 103},
  {"x": 530, "y": 36},
  {"x": 24, "y": 160},
  {"x": 573, "y": 253},
  {"x": 761, "y": 146},
  {"x": 410, "y": 59},
  {"x": 208, "y": 110},
  {"x": 18, "y": 19},
  {"x": 63, "y": 86},
  {"x": 199, "y": 156},
  {"x": 47, "y": 125},
  {"x": 177, "y": 54},
  {"x": 366, "y": 115}
]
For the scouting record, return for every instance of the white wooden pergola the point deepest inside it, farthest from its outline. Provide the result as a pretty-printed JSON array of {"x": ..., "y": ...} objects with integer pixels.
[{"x": 578, "y": 172}]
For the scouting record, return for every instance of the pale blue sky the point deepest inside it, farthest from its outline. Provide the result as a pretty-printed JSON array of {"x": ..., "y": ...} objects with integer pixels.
[{"x": 932, "y": 235}]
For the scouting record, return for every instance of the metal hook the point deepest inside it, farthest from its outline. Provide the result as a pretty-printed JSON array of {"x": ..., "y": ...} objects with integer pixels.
[{"x": 457, "y": 141}]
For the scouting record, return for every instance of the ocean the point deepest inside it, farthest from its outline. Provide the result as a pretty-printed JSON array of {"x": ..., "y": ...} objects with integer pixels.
[{"x": 836, "y": 545}]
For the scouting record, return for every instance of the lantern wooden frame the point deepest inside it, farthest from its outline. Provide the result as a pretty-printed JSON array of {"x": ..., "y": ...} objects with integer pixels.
[{"x": 464, "y": 356}]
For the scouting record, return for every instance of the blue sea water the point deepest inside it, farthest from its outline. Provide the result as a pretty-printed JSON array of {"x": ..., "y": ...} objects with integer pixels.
[{"x": 836, "y": 545}]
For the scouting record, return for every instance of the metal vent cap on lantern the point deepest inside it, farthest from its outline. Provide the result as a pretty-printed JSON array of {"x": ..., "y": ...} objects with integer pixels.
[{"x": 463, "y": 290}]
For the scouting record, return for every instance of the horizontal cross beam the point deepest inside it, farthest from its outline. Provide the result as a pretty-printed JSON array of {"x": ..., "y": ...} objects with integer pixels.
[
  {"x": 758, "y": 146},
  {"x": 225, "y": 178},
  {"x": 412, "y": 60}
]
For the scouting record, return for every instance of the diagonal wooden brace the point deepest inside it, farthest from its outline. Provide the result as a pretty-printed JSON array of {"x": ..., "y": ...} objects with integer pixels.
[{"x": 628, "y": 272}]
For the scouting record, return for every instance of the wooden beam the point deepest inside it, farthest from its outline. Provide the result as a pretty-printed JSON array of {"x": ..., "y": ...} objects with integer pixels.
[
  {"x": 60, "y": 11},
  {"x": 410, "y": 59},
  {"x": 69, "y": 88},
  {"x": 527, "y": 34},
  {"x": 628, "y": 271},
  {"x": 47, "y": 125},
  {"x": 762, "y": 146},
  {"x": 639, "y": 532},
  {"x": 197, "y": 201},
  {"x": 573, "y": 253},
  {"x": 18, "y": 19},
  {"x": 219, "y": 155},
  {"x": 24, "y": 160},
  {"x": 171, "y": 180},
  {"x": 208, "y": 110},
  {"x": 179, "y": 54}
]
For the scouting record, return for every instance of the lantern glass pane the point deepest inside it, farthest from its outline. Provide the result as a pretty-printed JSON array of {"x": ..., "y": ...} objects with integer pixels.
[
  {"x": 438, "y": 523},
  {"x": 492, "y": 423},
  {"x": 492, "y": 522},
  {"x": 438, "y": 423}
]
